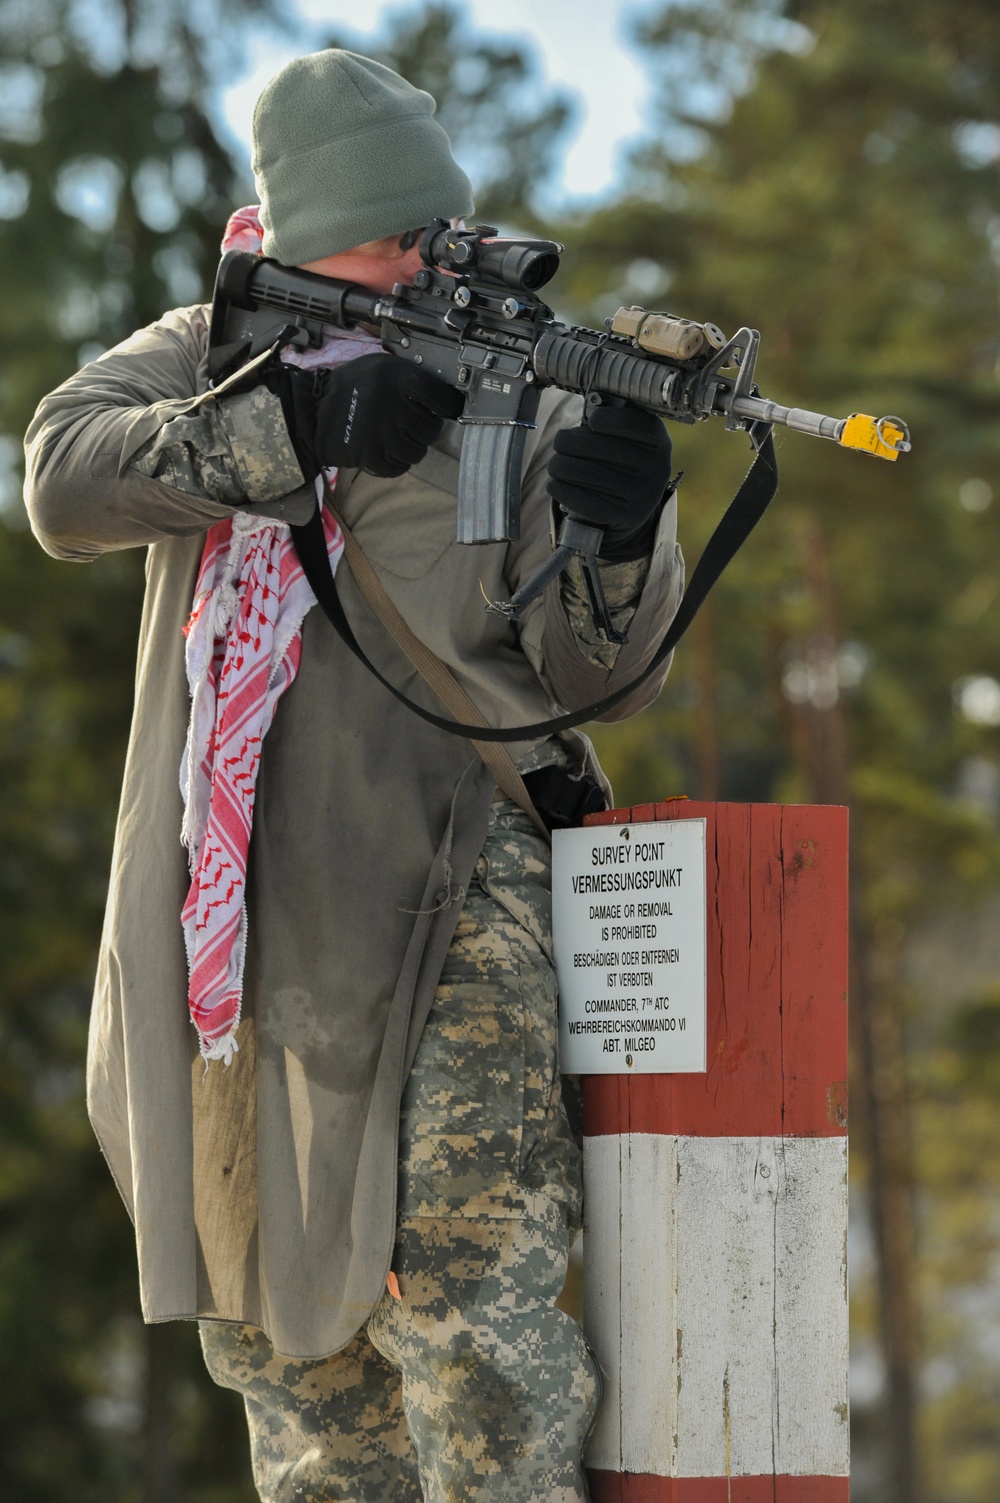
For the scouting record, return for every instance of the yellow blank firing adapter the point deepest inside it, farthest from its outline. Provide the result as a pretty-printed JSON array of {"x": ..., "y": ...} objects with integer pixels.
[
  {"x": 886, "y": 437},
  {"x": 665, "y": 333}
]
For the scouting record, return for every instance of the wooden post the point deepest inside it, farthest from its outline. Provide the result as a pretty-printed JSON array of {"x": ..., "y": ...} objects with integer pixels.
[{"x": 715, "y": 1249}]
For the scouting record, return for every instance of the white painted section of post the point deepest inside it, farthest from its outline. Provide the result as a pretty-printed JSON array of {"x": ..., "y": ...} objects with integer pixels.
[
  {"x": 630, "y": 1293},
  {"x": 716, "y": 1301}
]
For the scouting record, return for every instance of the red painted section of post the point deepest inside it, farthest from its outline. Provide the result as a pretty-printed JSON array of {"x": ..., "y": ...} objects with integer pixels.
[
  {"x": 777, "y": 982},
  {"x": 626, "y": 1487}
]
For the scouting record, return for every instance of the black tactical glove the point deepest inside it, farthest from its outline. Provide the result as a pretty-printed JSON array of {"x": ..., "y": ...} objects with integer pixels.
[
  {"x": 375, "y": 413},
  {"x": 614, "y": 473}
]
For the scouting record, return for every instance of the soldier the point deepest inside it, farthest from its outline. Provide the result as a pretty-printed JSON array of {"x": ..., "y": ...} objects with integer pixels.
[{"x": 364, "y": 1182}]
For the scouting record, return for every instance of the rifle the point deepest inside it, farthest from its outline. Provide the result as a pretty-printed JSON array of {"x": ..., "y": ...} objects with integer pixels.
[{"x": 474, "y": 318}]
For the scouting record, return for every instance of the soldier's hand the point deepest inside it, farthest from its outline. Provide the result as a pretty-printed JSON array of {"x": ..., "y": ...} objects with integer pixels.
[
  {"x": 614, "y": 472},
  {"x": 376, "y": 413}
]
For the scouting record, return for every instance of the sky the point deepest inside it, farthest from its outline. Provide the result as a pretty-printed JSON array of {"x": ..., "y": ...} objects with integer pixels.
[{"x": 583, "y": 46}]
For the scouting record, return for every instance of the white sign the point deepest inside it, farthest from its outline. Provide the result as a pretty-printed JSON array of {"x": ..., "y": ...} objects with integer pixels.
[{"x": 628, "y": 922}]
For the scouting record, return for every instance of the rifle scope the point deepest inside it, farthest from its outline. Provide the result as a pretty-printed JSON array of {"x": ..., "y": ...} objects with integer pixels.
[{"x": 523, "y": 265}]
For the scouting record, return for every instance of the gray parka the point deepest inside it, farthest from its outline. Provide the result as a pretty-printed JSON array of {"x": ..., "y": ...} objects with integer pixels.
[{"x": 264, "y": 1192}]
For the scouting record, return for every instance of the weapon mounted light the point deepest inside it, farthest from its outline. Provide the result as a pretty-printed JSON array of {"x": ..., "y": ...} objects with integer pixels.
[{"x": 665, "y": 333}]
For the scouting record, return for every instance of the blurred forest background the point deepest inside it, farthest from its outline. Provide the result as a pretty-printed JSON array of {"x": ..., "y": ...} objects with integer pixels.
[{"x": 824, "y": 170}]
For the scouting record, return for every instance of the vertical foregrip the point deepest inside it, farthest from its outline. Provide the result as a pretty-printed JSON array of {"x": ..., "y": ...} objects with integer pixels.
[{"x": 489, "y": 482}]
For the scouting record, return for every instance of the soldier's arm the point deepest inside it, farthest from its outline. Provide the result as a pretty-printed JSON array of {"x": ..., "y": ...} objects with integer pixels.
[
  {"x": 132, "y": 448},
  {"x": 575, "y": 662},
  {"x": 235, "y": 451}
]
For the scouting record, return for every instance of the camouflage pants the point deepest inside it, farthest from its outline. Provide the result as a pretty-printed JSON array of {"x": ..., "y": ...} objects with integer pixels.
[{"x": 470, "y": 1386}]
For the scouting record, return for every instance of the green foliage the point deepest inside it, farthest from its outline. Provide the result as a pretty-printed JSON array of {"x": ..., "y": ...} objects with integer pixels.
[
  {"x": 845, "y": 201},
  {"x": 957, "y": 1085},
  {"x": 113, "y": 192},
  {"x": 837, "y": 209}
]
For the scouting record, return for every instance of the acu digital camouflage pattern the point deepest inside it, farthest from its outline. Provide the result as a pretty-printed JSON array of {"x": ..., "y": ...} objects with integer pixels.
[
  {"x": 622, "y": 587},
  {"x": 498, "y": 1387},
  {"x": 239, "y": 446},
  {"x": 333, "y": 1428},
  {"x": 226, "y": 450}
]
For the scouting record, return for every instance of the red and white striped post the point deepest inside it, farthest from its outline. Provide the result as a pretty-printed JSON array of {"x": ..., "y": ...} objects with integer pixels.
[{"x": 715, "y": 1251}]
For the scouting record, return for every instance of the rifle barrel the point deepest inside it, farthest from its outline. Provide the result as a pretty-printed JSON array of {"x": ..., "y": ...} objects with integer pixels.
[
  {"x": 886, "y": 437},
  {"x": 798, "y": 418}
]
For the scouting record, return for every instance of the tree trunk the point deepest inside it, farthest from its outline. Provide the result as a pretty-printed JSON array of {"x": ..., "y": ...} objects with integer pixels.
[
  {"x": 879, "y": 1050},
  {"x": 820, "y": 747},
  {"x": 159, "y": 1466},
  {"x": 706, "y": 722}
]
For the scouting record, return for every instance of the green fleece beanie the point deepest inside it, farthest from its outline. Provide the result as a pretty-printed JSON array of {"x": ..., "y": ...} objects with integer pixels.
[{"x": 346, "y": 151}]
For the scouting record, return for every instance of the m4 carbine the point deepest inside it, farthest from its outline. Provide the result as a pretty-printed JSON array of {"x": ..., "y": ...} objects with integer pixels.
[{"x": 474, "y": 318}]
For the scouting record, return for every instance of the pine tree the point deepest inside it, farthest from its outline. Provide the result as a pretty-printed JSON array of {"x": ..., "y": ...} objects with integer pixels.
[
  {"x": 114, "y": 187},
  {"x": 826, "y": 172}
]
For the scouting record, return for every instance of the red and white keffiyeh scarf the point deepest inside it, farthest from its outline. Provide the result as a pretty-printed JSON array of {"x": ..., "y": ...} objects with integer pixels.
[{"x": 244, "y": 642}]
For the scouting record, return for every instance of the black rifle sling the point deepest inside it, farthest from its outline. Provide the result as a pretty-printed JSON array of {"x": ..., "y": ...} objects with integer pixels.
[{"x": 741, "y": 517}]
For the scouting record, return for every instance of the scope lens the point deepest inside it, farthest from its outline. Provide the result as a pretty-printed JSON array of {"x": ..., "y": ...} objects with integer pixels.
[
  {"x": 540, "y": 270},
  {"x": 523, "y": 265}
]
